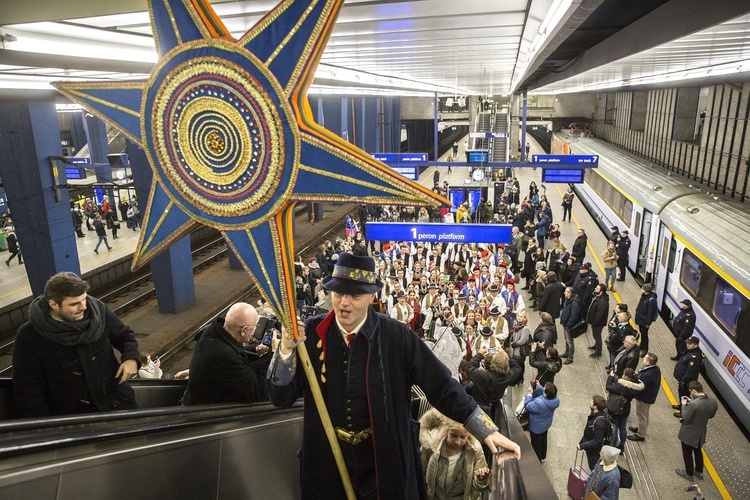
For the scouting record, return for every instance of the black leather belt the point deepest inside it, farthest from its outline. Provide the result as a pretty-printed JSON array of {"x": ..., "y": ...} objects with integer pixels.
[{"x": 353, "y": 438}]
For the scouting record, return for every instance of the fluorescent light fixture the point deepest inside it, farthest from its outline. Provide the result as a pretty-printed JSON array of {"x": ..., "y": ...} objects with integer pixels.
[
  {"x": 558, "y": 12},
  {"x": 674, "y": 76}
]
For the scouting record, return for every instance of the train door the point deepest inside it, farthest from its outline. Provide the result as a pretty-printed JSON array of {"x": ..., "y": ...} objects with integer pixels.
[{"x": 642, "y": 270}]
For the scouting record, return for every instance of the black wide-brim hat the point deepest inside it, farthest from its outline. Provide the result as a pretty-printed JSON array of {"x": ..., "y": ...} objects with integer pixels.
[{"x": 353, "y": 275}]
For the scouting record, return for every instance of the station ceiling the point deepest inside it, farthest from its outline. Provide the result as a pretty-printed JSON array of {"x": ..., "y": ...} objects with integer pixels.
[{"x": 478, "y": 47}]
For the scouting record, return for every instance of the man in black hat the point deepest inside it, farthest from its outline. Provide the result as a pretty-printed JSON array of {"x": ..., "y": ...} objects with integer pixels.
[
  {"x": 687, "y": 369},
  {"x": 646, "y": 313},
  {"x": 366, "y": 363},
  {"x": 402, "y": 311},
  {"x": 683, "y": 327},
  {"x": 614, "y": 234}
]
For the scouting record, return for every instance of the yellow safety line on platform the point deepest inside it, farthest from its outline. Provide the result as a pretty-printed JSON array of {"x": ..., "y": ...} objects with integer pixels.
[{"x": 712, "y": 472}]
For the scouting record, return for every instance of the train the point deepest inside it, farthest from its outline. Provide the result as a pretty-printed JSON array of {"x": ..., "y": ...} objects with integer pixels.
[{"x": 689, "y": 243}]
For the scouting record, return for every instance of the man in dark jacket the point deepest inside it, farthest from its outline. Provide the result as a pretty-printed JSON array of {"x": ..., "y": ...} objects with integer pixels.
[
  {"x": 584, "y": 284},
  {"x": 366, "y": 364},
  {"x": 597, "y": 318},
  {"x": 596, "y": 430},
  {"x": 221, "y": 371},
  {"x": 622, "y": 247},
  {"x": 687, "y": 369},
  {"x": 650, "y": 375},
  {"x": 697, "y": 410},
  {"x": 683, "y": 327},
  {"x": 571, "y": 314},
  {"x": 627, "y": 356},
  {"x": 579, "y": 246},
  {"x": 491, "y": 380},
  {"x": 552, "y": 297},
  {"x": 619, "y": 328},
  {"x": 645, "y": 314},
  {"x": 63, "y": 361}
]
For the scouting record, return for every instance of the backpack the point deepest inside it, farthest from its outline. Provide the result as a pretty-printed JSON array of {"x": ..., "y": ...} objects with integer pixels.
[
  {"x": 612, "y": 436},
  {"x": 616, "y": 404},
  {"x": 656, "y": 315}
]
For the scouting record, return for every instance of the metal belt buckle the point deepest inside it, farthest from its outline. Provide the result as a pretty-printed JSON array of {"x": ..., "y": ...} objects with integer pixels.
[{"x": 353, "y": 438}]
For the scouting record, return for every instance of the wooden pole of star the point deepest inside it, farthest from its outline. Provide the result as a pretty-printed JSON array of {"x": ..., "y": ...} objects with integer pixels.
[{"x": 325, "y": 418}]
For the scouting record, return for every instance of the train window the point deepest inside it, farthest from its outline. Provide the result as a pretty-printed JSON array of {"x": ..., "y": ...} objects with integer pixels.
[
  {"x": 690, "y": 275},
  {"x": 672, "y": 255},
  {"x": 627, "y": 211},
  {"x": 664, "y": 252},
  {"x": 727, "y": 306},
  {"x": 637, "y": 228}
]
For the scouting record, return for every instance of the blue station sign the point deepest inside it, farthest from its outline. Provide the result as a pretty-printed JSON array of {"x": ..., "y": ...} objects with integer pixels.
[
  {"x": 588, "y": 160},
  {"x": 440, "y": 233},
  {"x": 75, "y": 168},
  {"x": 403, "y": 163}
]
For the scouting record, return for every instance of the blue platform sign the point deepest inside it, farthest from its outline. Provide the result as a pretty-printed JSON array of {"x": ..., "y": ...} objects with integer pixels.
[
  {"x": 588, "y": 160},
  {"x": 397, "y": 158},
  {"x": 397, "y": 163},
  {"x": 439, "y": 233},
  {"x": 75, "y": 168},
  {"x": 562, "y": 175}
]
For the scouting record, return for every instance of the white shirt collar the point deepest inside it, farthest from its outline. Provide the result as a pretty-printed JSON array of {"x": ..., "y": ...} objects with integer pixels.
[{"x": 355, "y": 330}]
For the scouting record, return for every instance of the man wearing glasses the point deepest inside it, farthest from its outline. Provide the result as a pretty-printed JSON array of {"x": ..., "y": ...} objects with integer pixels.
[{"x": 221, "y": 371}]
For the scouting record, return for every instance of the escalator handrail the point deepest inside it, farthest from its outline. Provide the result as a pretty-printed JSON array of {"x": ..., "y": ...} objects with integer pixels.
[{"x": 41, "y": 434}]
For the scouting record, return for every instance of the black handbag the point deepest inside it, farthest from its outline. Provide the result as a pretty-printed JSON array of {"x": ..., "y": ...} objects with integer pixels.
[
  {"x": 626, "y": 478},
  {"x": 523, "y": 418},
  {"x": 579, "y": 329}
]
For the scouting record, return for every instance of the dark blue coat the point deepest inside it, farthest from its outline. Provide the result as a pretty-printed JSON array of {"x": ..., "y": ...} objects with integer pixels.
[
  {"x": 571, "y": 312},
  {"x": 651, "y": 378},
  {"x": 391, "y": 358},
  {"x": 683, "y": 325},
  {"x": 689, "y": 366},
  {"x": 646, "y": 310}
]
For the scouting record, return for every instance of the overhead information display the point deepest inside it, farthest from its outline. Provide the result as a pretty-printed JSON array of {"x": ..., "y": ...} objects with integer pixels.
[
  {"x": 403, "y": 163},
  {"x": 588, "y": 160},
  {"x": 439, "y": 233}
]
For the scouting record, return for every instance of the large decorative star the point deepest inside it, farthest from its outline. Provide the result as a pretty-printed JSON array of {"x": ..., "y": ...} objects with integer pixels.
[{"x": 229, "y": 134}]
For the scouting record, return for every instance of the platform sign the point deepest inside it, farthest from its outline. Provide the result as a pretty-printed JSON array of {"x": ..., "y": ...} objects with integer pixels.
[
  {"x": 591, "y": 161},
  {"x": 439, "y": 233},
  {"x": 488, "y": 135},
  {"x": 477, "y": 155},
  {"x": 75, "y": 168},
  {"x": 457, "y": 197},
  {"x": 397, "y": 160},
  {"x": 562, "y": 175}
]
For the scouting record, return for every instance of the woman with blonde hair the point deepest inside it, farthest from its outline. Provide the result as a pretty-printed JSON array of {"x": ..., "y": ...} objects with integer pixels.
[
  {"x": 609, "y": 260},
  {"x": 452, "y": 459}
]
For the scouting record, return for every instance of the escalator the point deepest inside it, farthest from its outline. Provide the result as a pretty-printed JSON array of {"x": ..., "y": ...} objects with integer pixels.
[{"x": 212, "y": 451}]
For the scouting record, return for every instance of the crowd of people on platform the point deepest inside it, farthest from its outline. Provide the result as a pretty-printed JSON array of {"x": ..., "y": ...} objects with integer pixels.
[
  {"x": 470, "y": 295},
  {"x": 102, "y": 217}
]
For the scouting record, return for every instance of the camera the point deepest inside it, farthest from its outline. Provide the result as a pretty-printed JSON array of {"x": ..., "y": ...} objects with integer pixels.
[
  {"x": 267, "y": 327},
  {"x": 310, "y": 311}
]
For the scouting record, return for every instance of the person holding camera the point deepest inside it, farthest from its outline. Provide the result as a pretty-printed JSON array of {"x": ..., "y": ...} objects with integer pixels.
[
  {"x": 697, "y": 410},
  {"x": 541, "y": 403},
  {"x": 221, "y": 371}
]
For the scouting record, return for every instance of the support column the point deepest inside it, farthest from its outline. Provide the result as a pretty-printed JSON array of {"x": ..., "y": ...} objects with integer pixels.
[
  {"x": 173, "y": 269},
  {"x": 29, "y": 135},
  {"x": 96, "y": 133},
  {"x": 523, "y": 127}
]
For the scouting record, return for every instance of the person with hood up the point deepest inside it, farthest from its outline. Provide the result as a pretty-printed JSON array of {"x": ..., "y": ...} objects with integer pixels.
[
  {"x": 452, "y": 459},
  {"x": 541, "y": 403}
]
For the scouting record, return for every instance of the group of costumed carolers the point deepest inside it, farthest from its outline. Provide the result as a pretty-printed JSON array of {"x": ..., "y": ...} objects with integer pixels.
[{"x": 469, "y": 289}]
